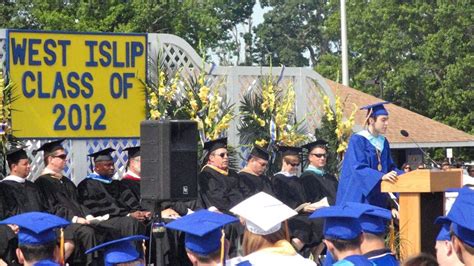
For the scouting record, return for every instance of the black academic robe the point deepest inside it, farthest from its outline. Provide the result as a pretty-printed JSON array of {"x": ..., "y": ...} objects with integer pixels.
[
  {"x": 103, "y": 198},
  {"x": 20, "y": 198},
  {"x": 107, "y": 198},
  {"x": 61, "y": 196},
  {"x": 317, "y": 187},
  {"x": 251, "y": 184},
  {"x": 133, "y": 184},
  {"x": 288, "y": 190},
  {"x": 219, "y": 190},
  {"x": 62, "y": 200}
]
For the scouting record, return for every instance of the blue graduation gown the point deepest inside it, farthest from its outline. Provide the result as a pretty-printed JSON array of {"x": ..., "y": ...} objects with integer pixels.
[
  {"x": 360, "y": 179},
  {"x": 382, "y": 257},
  {"x": 358, "y": 260}
]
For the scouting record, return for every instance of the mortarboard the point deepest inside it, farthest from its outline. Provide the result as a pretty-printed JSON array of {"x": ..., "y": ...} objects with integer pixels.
[
  {"x": 36, "y": 228},
  {"x": 318, "y": 143},
  {"x": 288, "y": 150},
  {"x": 102, "y": 155},
  {"x": 460, "y": 216},
  {"x": 259, "y": 152},
  {"x": 120, "y": 250},
  {"x": 15, "y": 154},
  {"x": 133, "y": 151},
  {"x": 341, "y": 221},
  {"x": 50, "y": 147},
  {"x": 203, "y": 230},
  {"x": 374, "y": 219},
  {"x": 213, "y": 145},
  {"x": 376, "y": 109},
  {"x": 444, "y": 232},
  {"x": 263, "y": 213}
]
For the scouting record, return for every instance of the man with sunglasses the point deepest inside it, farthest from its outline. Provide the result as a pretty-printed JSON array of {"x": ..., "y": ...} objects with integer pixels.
[
  {"x": 219, "y": 185},
  {"x": 316, "y": 181},
  {"x": 317, "y": 184},
  {"x": 62, "y": 199},
  {"x": 251, "y": 177}
]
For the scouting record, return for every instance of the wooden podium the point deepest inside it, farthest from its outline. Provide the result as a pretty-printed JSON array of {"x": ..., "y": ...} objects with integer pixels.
[{"x": 421, "y": 201}]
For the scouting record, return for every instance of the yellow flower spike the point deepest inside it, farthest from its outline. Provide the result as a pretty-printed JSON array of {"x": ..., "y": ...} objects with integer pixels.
[
  {"x": 155, "y": 114},
  {"x": 261, "y": 142},
  {"x": 153, "y": 100}
]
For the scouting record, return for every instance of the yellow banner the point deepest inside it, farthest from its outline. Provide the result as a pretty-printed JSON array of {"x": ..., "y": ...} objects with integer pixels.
[{"x": 77, "y": 85}]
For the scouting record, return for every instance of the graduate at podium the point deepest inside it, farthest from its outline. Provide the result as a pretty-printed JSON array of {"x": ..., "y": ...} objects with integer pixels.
[{"x": 368, "y": 161}]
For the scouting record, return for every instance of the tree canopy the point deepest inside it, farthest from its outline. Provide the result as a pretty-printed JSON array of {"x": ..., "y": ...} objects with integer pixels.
[{"x": 419, "y": 51}]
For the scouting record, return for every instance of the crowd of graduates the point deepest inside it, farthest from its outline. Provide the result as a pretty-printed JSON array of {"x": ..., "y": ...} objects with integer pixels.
[{"x": 238, "y": 218}]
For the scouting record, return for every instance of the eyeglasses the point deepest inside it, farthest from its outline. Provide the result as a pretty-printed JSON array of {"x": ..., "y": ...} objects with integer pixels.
[
  {"x": 319, "y": 155},
  {"x": 292, "y": 164},
  {"x": 223, "y": 154},
  {"x": 61, "y": 156}
]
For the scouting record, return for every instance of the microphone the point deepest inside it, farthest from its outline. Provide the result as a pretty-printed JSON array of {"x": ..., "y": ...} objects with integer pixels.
[{"x": 405, "y": 133}]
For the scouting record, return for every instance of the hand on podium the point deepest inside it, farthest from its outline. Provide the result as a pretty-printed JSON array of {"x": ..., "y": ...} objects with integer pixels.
[{"x": 391, "y": 177}]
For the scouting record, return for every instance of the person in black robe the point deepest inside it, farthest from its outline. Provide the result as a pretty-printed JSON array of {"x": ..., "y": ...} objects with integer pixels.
[
  {"x": 19, "y": 195},
  {"x": 252, "y": 178},
  {"x": 288, "y": 189},
  {"x": 317, "y": 183},
  {"x": 8, "y": 239},
  {"x": 104, "y": 196},
  {"x": 219, "y": 187},
  {"x": 62, "y": 200}
]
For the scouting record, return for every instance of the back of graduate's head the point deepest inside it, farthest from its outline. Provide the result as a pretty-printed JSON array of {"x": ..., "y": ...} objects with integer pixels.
[
  {"x": 198, "y": 258},
  {"x": 342, "y": 245},
  {"x": 30, "y": 253},
  {"x": 263, "y": 215},
  {"x": 37, "y": 236},
  {"x": 253, "y": 242}
]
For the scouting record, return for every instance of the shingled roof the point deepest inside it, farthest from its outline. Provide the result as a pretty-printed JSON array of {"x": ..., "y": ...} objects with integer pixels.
[{"x": 423, "y": 130}]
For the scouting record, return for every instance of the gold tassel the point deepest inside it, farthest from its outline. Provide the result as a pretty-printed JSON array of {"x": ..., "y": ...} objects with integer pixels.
[
  {"x": 61, "y": 246},
  {"x": 223, "y": 247}
]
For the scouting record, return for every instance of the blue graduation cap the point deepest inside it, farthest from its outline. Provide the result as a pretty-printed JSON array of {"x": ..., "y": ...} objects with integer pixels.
[
  {"x": 119, "y": 250},
  {"x": 376, "y": 109},
  {"x": 444, "y": 232},
  {"x": 374, "y": 219},
  {"x": 203, "y": 230},
  {"x": 460, "y": 216},
  {"x": 341, "y": 221},
  {"x": 36, "y": 228}
]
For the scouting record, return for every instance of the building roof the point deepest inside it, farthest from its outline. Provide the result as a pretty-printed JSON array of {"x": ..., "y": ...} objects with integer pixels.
[{"x": 424, "y": 131}]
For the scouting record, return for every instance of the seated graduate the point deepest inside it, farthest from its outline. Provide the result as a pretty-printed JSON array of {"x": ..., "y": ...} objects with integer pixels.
[
  {"x": 265, "y": 241},
  {"x": 204, "y": 236},
  {"x": 252, "y": 177},
  {"x": 37, "y": 238},
  {"x": 62, "y": 200},
  {"x": 121, "y": 251},
  {"x": 374, "y": 227},
  {"x": 102, "y": 196},
  {"x": 445, "y": 254},
  {"x": 218, "y": 185},
  {"x": 462, "y": 225},
  {"x": 343, "y": 234},
  {"x": 289, "y": 190}
]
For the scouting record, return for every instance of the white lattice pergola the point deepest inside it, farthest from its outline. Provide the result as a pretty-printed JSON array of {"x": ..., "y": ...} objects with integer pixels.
[{"x": 177, "y": 53}]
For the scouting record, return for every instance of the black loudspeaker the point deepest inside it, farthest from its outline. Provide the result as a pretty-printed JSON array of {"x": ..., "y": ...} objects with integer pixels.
[{"x": 169, "y": 168}]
